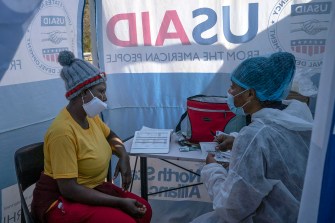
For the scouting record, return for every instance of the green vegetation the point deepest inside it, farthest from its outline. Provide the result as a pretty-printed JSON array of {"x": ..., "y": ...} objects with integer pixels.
[{"x": 86, "y": 29}]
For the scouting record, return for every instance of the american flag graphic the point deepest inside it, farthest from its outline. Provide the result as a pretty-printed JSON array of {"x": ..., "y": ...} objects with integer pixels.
[
  {"x": 308, "y": 46},
  {"x": 51, "y": 54}
]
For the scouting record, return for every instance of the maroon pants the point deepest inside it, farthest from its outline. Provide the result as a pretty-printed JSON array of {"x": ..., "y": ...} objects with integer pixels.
[{"x": 69, "y": 212}]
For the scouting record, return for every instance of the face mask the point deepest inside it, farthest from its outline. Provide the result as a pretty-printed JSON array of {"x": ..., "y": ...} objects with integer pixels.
[
  {"x": 231, "y": 105},
  {"x": 94, "y": 107}
]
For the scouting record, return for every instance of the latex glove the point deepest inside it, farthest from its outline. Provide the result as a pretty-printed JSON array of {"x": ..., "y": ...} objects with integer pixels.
[
  {"x": 225, "y": 142},
  {"x": 210, "y": 158}
]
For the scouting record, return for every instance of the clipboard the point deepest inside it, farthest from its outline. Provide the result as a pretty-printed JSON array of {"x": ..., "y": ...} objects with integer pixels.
[
  {"x": 149, "y": 140},
  {"x": 209, "y": 147}
]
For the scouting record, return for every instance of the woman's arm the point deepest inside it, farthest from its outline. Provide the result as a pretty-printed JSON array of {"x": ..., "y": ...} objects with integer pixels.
[
  {"x": 123, "y": 165},
  {"x": 117, "y": 144}
]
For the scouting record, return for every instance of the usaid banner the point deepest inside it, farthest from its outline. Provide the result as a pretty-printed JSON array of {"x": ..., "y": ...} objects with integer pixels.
[
  {"x": 210, "y": 37},
  {"x": 319, "y": 179},
  {"x": 53, "y": 27}
]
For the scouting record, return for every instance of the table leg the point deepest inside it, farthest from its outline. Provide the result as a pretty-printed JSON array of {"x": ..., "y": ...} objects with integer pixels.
[{"x": 144, "y": 178}]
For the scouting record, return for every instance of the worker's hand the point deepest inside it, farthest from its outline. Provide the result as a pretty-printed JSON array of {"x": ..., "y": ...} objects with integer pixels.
[
  {"x": 210, "y": 158},
  {"x": 225, "y": 165},
  {"x": 225, "y": 142}
]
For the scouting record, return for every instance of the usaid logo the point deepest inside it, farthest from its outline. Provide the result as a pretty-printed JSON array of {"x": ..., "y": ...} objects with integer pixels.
[
  {"x": 50, "y": 32},
  {"x": 300, "y": 29}
]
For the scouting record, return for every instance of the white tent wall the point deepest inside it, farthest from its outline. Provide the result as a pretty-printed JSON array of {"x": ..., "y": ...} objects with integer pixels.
[
  {"x": 323, "y": 130},
  {"x": 26, "y": 112},
  {"x": 30, "y": 90},
  {"x": 155, "y": 108}
]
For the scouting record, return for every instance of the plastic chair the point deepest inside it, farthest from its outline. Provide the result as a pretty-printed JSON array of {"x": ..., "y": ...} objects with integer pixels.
[{"x": 29, "y": 163}]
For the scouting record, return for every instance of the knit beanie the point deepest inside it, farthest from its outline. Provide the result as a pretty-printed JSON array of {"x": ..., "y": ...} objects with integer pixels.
[
  {"x": 78, "y": 74},
  {"x": 271, "y": 77}
]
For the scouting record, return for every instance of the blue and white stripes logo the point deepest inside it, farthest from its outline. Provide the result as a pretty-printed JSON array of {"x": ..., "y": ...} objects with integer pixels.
[{"x": 50, "y": 33}]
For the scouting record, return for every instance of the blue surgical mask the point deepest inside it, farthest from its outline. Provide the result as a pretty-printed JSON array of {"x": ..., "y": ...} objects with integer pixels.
[{"x": 231, "y": 104}]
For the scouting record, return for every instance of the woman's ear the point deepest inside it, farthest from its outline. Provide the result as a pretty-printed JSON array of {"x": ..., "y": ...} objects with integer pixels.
[
  {"x": 252, "y": 94},
  {"x": 84, "y": 93}
]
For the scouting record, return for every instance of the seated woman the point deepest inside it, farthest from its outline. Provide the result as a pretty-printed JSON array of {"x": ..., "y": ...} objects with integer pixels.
[
  {"x": 265, "y": 178},
  {"x": 77, "y": 150}
]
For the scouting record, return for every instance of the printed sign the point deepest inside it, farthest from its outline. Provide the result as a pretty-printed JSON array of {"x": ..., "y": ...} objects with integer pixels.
[
  {"x": 300, "y": 29},
  {"x": 54, "y": 28},
  {"x": 207, "y": 37},
  {"x": 11, "y": 203},
  {"x": 163, "y": 176}
]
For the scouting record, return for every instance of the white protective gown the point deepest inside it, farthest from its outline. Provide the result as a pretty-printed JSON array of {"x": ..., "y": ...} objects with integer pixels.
[{"x": 266, "y": 173}]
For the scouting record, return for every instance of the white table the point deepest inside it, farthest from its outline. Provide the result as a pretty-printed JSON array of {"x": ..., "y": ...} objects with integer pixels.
[{"x": 174, "y": 154}]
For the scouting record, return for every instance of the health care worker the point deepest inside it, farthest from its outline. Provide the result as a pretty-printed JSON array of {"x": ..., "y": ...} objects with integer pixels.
[{"x": 268, "y": 159}]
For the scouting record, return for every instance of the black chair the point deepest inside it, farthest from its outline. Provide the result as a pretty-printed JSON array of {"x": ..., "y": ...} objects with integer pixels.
[{"x": 29, "y": 163}]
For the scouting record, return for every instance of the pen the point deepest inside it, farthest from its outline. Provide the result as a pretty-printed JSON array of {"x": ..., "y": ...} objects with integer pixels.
[{"x": 213, "y": 134}]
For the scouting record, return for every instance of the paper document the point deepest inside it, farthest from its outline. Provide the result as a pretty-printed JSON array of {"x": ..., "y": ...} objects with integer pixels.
[
  {"x": 209, "y": 147},
  {"x": 149, "y": 140}
]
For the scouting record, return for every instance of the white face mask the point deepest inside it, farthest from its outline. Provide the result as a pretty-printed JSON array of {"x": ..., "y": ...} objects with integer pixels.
[{"x": 94, "y": 107}]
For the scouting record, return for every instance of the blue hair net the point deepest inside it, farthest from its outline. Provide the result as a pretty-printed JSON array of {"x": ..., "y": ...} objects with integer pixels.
[{"x": 270, "y": 77}]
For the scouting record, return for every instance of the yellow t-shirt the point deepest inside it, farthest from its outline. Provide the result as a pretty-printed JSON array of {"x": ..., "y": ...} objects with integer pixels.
[{"x": 73, "y": 152}]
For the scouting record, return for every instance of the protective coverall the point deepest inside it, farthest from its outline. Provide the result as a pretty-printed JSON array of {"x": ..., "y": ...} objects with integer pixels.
[{"x": 266, "y": 174}]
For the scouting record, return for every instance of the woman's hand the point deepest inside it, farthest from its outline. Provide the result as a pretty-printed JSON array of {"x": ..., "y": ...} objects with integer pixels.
[
  {"x": 133, "y": 207},
  {"x": 123, "y": 167},
  {"x": 225, "y": 142}
]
